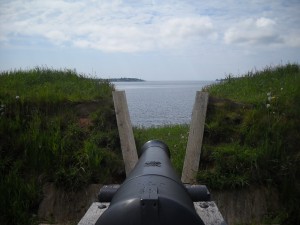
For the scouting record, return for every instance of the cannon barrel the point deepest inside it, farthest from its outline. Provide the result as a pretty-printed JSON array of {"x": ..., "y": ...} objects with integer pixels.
[{"x": 152, "y": 194}]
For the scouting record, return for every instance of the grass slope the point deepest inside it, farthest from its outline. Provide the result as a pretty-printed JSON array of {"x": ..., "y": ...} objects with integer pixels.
[{"x": 56, "y": 126}]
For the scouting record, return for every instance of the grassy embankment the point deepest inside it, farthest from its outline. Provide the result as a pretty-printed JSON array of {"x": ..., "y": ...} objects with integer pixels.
[
  {"x": 252, "y": 136},
  {"x": 55, "y": 126},
  {"x": 58, "y": 126}
]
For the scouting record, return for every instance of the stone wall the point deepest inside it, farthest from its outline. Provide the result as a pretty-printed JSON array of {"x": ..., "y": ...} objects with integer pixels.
[
  {"x": 246, "y": 206},
  {"x": 63, "y": 207}
]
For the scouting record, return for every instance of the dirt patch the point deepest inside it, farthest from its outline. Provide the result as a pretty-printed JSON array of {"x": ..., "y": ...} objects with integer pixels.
[{"x": 84, "y": 109}]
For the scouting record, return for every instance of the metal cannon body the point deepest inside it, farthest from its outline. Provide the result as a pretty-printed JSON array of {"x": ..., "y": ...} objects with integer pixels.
[{"x": 152, "y": 194}]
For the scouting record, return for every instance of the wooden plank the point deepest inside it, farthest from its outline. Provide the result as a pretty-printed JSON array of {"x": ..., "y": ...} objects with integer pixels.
[
  {"x": 128, "y": 146},
  {"x": 193, "y": 150}
]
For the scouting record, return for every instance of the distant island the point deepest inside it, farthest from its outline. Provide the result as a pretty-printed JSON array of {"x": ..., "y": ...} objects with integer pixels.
[{"x": 125, "y": 79}]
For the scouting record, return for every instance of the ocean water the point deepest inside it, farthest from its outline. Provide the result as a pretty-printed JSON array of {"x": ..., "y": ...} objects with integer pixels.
[{"x": 156, "y": 103}]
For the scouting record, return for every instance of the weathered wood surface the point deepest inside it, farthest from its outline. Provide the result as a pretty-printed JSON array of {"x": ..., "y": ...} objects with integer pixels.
[
  {"x": 93, "y": 213},
  {"x": 128, "y": 146},
  {"x": 193, "y": 150},
  {"x": 208, "y": 212}
]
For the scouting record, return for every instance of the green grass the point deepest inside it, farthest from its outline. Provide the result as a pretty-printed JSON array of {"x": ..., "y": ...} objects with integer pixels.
[
  {"x": 257, "y": 143},
  {"x": 49, "y": 85},
  {"x": 251, "y": 136},
  {"x": 56, "y": 126},
  {"x": 253, "y": 87},
  {"x": 174, "y": 136}
]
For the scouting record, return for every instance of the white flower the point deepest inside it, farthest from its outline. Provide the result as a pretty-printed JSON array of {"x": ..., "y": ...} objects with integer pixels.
[
  {"x": 269, "y": 94},
  {"x": 281, "y": 89},
  {"x": 17, "y": 97},
  {"x": 268, "y": 105},
  {"x": 269, "y": 98}
]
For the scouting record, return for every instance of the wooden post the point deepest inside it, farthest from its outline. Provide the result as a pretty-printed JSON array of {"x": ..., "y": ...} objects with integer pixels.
[
  {"x": 193, "y": 150},
  {"x": 129, "y": 152}
]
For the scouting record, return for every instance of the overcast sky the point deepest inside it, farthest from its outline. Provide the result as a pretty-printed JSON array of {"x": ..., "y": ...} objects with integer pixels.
[{"x": 149, "y": 39}]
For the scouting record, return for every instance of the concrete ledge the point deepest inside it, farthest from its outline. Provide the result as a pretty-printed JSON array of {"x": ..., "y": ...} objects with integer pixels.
[{"x": 208, "y": 212}]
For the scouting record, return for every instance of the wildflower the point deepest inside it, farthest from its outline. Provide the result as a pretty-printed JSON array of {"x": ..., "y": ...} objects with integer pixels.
[
  {"x": 17, "y": 97},
  {"x": 270, "y": 98},
  {"x": 281, "y": 89},
  {"x": 268, "y": 106},
  {"x": 269, "y": 94}
]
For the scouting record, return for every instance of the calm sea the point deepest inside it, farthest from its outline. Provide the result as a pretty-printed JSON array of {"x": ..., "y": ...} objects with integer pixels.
[{"x": 156, "y": 103}]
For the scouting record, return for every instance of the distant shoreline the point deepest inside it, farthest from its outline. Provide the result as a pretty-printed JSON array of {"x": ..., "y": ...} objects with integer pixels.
[{"x": 125, "y": 80}]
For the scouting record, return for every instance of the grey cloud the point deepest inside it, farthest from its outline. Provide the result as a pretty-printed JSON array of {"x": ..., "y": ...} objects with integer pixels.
[
  {"x": 146, "y": 25},
  {"x": 109, "y": 26},
  {"x": 260, "y": 31}
]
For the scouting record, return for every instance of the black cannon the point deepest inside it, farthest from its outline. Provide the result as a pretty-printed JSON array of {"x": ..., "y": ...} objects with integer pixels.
[{"x": 152, "y": 194}]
